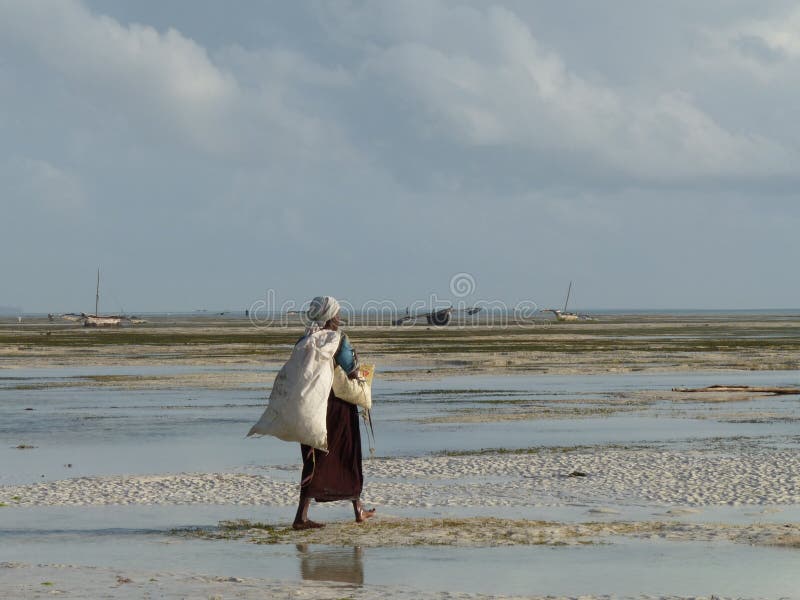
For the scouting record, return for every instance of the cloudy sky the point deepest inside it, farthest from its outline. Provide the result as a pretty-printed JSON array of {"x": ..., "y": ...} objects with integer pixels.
[{"x": 204, "y": 152}]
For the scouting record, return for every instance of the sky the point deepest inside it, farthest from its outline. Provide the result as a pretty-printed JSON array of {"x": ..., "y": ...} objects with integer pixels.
[{"x": 204, "y": 153}]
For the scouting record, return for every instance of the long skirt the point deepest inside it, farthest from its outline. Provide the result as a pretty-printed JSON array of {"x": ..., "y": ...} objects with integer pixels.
[{"x": 335, "y": 475}]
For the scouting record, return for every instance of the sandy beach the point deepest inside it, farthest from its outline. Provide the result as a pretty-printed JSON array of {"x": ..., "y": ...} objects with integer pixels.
[{"x": 572, "y": 439}]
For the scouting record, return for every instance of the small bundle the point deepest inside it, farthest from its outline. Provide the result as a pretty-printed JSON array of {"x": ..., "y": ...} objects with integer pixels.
[{"x": 357, "y": 390}]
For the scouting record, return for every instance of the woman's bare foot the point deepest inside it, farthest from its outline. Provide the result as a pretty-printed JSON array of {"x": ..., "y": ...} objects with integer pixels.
[
  {"x": 307, "y": 524},
  {"x": 362, "y": 515}
]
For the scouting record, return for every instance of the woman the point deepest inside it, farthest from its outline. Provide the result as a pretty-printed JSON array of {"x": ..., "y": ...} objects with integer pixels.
[{"x": 335, "y": 475}]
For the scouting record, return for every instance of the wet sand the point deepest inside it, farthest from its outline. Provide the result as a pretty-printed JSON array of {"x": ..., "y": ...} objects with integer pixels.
[{"x": 689, "y": 478}]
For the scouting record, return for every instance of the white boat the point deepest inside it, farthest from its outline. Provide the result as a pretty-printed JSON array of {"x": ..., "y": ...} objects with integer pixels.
[
  {"x": 96, "y": 320},
  {"x": 566, "y": 317},
  {"x": 562, "y": 316}
]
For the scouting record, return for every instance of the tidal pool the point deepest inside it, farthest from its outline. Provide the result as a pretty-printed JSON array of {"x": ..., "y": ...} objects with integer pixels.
[{"x": 622, "y": 568}]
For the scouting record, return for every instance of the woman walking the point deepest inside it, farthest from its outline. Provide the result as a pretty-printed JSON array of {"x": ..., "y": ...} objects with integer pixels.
[{"x": 337, "y": 474}]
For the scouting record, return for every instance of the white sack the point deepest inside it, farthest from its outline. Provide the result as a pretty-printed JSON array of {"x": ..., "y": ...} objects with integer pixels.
[{"x": 298, "y": 403}]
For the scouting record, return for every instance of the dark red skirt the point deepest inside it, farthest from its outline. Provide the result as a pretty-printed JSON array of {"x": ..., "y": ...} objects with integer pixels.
[{"x": 336, "y": 475}]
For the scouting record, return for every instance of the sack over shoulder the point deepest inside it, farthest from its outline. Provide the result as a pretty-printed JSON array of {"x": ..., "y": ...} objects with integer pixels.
[
  {"x": 298, "y": 403},
  {"x": 356, "y": 391}
]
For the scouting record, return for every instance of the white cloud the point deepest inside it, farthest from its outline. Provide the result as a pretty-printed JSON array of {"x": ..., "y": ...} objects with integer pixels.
[
  {"x": 168, "y": 83},
  {"x": 766, "y": 49},
  {"x": 278, "y": 66},
  {"x": 780, "y": 34},
  {"x": 523, "y": 95},
  {"x": 472, "y": 77},
  {"x": 136, "y": 68}
]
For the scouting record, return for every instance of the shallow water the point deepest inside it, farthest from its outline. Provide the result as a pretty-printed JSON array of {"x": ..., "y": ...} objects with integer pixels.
[{"x": 109, "y": 430}]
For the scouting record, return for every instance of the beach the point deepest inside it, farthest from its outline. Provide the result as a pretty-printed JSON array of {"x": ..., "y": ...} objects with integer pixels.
[{"x": 528, "y": 460}]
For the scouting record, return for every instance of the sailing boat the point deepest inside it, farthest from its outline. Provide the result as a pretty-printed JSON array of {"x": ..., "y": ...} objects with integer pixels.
[
  {"x": 563, "y": 315},
  {"x": 96, "y": 320}
]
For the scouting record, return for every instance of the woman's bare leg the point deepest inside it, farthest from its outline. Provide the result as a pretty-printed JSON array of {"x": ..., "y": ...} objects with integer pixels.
[
  {"x": 361, "y": 514},
  {"x": 301, "y": 520}
]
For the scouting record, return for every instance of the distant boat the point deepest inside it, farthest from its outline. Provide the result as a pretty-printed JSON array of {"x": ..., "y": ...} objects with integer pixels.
[
  {"x": 438, "y": 317},
  {"x": 97, "y": 320},
  {"x": 564, "y": 316}
]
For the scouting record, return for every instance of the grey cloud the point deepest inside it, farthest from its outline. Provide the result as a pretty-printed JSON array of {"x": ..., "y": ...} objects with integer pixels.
[{"x": 755, "y": 47}]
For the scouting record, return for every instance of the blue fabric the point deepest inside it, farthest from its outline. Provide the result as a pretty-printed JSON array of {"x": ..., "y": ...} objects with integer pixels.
[{"x": 346, "y": 357}]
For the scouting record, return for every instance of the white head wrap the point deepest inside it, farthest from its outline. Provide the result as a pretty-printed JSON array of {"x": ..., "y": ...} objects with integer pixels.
[{"x": 322, "y": 309}]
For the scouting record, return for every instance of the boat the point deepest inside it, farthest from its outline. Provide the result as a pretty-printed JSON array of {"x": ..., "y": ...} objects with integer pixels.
[
  {"x": 567, "y": 317},
  {"x": 98, "y": 320},
  {"x": 437, "y": 317},
  {"x": 74, "y": 317}
]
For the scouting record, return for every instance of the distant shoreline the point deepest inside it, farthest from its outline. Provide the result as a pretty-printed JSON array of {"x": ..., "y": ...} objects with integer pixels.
[{"x": 8, "y": 312}]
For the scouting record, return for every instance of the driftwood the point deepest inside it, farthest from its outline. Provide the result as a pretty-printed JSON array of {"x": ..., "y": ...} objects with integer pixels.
[{"x": 775, "y": 391}]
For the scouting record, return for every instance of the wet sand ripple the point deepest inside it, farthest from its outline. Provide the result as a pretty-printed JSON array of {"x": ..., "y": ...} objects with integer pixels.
[{"x": 623, "y": 477}]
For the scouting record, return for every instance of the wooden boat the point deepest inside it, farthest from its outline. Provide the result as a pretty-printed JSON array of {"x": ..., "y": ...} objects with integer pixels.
[
  {"x": 96, "y": 320},
  {"x": 566, "y": 317},
  {"x": 437, "y": 318}
]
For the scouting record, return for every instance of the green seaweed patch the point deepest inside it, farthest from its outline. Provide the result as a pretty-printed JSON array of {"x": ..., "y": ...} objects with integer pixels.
[
  {"x": 118, "y": 378},
  {"x": 533, "y": 413},
  {"x": 475, "y": 531},
  {"x": 149, "y": 337},
  {"x": 461, "y": 392},
  {"x": 46, "y": 385},
  {"x": 786, "y": 541},
  {"x": 539, "y": 450},
  {"x": 262, "y": 533}
]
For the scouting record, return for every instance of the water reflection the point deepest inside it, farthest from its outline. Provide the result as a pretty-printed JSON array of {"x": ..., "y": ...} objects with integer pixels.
[{"x": 344, "y": 565}]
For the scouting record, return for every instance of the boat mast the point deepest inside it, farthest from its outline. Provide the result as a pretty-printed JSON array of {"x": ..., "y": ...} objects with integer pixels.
[
  {"x": 569, "y": 289},
  {"x": 97, "y": 293}
]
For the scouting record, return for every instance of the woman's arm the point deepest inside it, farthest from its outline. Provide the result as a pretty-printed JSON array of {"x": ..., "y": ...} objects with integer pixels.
[{"x": 346, "y": 356}]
